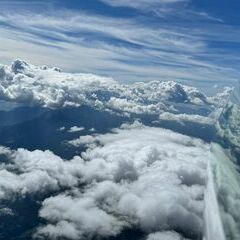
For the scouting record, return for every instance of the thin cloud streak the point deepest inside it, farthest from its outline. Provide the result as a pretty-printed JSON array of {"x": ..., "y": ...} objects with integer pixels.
[
  {"x": 126, "y": 49},
  {"x": 142, "y": 4}
]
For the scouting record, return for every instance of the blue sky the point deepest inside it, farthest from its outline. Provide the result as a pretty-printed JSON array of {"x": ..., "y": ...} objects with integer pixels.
[{"x": 194, "y": 41}]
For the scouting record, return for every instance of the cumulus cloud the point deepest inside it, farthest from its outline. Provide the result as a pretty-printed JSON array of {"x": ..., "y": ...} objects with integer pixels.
[
  {"x": 186, "y": 118},
  {"x": 222, "y": 96},
  {"x": 136, "y": 124},
  {"x": 75, "y": 129},
  {"x": 165, "y": 236},
  {"x": 75, "y": 218},
  {"x": 83, "y": 140},
  {"x": 124, "y": 105},
  {"x": 22, "y": 82},
  {"x": 36, "y": 172},
  {"x": 128, "y": 174},
  {"x": 49, "y": 87},
  {"x": 139, "y": 177}
]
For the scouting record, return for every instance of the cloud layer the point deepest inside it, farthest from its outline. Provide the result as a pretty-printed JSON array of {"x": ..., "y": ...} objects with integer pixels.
[
  {"x": 136, "y": 177},
  {"x": 126, "y": 48},
  {"x": 49, "y": 87},
  {"x": 135, "y": 180}
]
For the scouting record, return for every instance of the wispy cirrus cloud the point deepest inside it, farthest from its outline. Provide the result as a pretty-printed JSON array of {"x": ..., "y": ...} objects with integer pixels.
[
  {"x": 142, "y": 4},
  {"x": 163, "y": 8},
  {"x": 127, "y": 49}
]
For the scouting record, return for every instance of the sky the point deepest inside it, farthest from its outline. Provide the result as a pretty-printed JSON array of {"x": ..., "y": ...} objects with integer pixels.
[{"x": 191, "y": 41}]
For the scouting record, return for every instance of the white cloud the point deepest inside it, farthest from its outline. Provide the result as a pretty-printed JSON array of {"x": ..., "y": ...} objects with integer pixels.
[
  {"x": 135, "y": 124},
  {"x": 92, "y": 130},
  {"x": 124, "y": 105},
  {"x": 38, "y": 172},
  {"x": 165, "y": 52},
  {"x": 75, "y": 129},
  {"x": 165, "y": 236},
  {"x": 62, "y": 128},
  {"x": 83, "y": 140},
  {"x": 125, "y": 184},
  {"x": 49, "y": 87},
  {"x": 141, "y": 4},
  {"x": 80, "y": 218},
  {"x": 220, "y": 98},
  {"x": 135, "y": 177},
  {"x": 186, "y": 118}
]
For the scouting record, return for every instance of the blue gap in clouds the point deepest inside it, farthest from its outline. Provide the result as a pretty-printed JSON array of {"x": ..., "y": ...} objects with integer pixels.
[
  {"x": 90, "y": 6},
  {"x": 224, "y": 44},
  {"x": 96, "y": 6},
  {"x": 227, "y": 10}
]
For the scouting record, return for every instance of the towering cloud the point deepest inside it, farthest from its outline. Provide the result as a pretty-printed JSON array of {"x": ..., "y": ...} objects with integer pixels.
[{"x": 49, "y": 87}]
